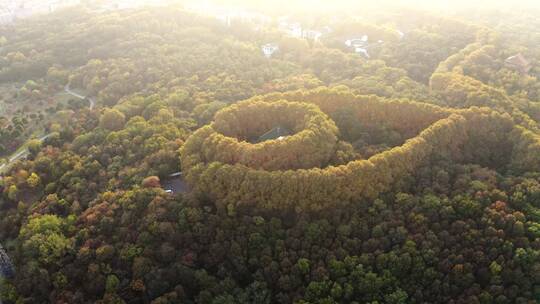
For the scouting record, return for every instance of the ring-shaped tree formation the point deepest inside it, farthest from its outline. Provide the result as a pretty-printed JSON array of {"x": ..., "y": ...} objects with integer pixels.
[
  {"x": 231, "y": 138},
  {"x": 476, "y": 135}
]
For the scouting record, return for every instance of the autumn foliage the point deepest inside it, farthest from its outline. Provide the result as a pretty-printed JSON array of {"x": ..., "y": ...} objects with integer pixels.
[
  {"x": 218, "y": 161},
  {"x": 311, "y": 145}
]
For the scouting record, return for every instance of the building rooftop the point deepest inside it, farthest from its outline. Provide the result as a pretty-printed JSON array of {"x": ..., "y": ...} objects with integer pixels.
[
  {"x": 269, "y": 49},
  {"x": 277, "y": 133},
  {"x": 175, "y": 185},
  {"x": 357, "y": 42},
  {"x": 6, "y": 267},
  {"x": 520, "y": 62},
  {"x": 518, "y": 59}
]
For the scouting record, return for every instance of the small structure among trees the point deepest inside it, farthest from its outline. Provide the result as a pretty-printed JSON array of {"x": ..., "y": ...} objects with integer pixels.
[
  {"x": 519, "y": 63},
  {"x": 175, "y": 183},
  {"x": 269, "y": 49},
  {"x": 291, "y": 29},
  {"x": 6, "y": 266},
  {"x": 278, "y": 133},
  {"x": 359, "y": 45}
]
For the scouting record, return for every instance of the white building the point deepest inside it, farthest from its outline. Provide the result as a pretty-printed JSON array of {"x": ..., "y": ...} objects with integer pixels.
[
  {"x": 21, "y": 9},
  {"x": 359, "y": 45},
  {"x": 291, "y": 29},
  {"x": 228, "y": 15},
  {"x": 244, "y": 17},
  {"x": 357, "y": 42},
  {"x": 361, "y": 51},
  {"x": 252, "y": 17},
  {"x": 6, "y": 16},
  {"x": 269, "y": 49},
  {"x": 327, "y": 30}
]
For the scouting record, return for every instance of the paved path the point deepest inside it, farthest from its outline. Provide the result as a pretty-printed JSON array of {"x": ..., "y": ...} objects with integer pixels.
[
  {"x": 24, "y": 152},
  {"x": 70, "y": 92}
]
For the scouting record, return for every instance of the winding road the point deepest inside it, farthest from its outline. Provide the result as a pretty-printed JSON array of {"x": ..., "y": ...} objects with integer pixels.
[
  {"x": 90, "y": 100},
  {"x": 24, "y": 152},
  {"x": 21, "y": 154}
]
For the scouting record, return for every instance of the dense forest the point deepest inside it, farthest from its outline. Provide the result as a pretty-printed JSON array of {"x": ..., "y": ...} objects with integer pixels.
[{"x": 137, "y": 163}]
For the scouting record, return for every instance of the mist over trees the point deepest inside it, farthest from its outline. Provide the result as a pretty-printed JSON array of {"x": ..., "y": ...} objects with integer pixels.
[{"x": 157, "y": 155}]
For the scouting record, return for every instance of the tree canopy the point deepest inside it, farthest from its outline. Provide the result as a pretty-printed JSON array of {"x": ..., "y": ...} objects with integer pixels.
[{"x": 135, "y": 165}]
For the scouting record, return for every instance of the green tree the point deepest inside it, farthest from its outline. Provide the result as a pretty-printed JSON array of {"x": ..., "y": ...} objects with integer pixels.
[{"x": 112, "y": 120}]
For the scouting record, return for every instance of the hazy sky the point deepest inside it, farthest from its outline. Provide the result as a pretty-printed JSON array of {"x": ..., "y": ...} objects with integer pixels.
[{"x": 439, "y": 5}]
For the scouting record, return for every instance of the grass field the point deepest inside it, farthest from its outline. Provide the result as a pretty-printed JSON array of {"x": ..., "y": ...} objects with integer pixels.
[{"x": 12, "y": 104}]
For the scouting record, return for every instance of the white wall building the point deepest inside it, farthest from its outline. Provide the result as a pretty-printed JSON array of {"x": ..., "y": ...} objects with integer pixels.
[
  {"x": 361, "y": 51},
  {"x": 359, "y": 45},
  {"x": 6, "y": 16},
  {"x": 228, "y": 15},
  {"x": 357, "y": 42},
  {"x": 293, "y": 29},
  {"x": 20, "y": 9},
  {"x": 269, "y": 49}
]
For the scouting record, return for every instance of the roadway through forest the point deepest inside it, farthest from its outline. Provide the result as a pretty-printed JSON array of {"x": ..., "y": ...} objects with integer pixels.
[
  {"x": 70, "y": 92},
  {"x": 21, "y": 154},
  {"x": 24, "y": 152}
]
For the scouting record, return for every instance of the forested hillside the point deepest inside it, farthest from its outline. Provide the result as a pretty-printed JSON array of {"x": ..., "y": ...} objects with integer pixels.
[{"x": 160, "y": 155}]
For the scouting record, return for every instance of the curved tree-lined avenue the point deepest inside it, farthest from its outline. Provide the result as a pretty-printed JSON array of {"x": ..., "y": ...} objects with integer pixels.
[{"x": 312, "y": 144}]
